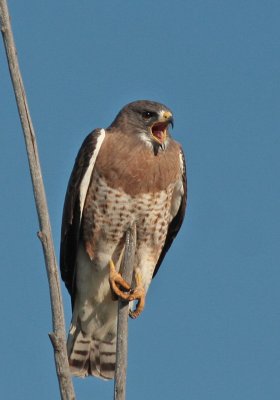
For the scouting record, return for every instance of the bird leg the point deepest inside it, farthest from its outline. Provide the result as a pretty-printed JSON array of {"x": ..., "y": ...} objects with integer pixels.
[
  {"x": 128, "y": 294},
  {"x": 137, "y": 294},
  {"x": 117, "y": 280}
]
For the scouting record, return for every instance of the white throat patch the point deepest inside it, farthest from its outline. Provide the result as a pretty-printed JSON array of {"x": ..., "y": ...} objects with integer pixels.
[{"x": 148, "y": 141}]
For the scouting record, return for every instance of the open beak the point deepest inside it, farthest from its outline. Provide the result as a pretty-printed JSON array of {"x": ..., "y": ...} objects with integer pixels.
[{"x": 159, "y": 129}]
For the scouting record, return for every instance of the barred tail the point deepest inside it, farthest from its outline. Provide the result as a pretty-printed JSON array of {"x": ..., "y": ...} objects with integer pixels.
[{"x": 89, "y": 356}]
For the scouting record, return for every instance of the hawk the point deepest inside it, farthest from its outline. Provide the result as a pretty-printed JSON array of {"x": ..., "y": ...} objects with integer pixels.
[{"x": 132, "y": 173}]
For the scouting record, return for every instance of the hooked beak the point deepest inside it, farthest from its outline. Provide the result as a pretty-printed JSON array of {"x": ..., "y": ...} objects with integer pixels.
[{"x": 159, "y": 129}]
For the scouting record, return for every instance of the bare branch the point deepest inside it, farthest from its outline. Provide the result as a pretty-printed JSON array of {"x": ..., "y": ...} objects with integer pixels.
[
  {"x": 122, "y": 336},
  {"x": 45, "y": 235}
]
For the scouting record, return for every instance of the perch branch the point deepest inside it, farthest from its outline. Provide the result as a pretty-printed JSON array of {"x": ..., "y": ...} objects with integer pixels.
[
  {"x": 122, "y": 335},
  {"x": 45, "y": 235}
]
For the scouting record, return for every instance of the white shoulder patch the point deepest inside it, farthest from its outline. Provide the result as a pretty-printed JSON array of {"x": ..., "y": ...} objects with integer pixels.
[
  {"x": 86, "y": 179},
  {"x": 178, "y": 189},
  {"x": 182, "y": 164}
]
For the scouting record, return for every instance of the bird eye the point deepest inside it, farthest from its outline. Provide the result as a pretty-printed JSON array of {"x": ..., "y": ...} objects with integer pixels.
[{"x": 147, "y": 114}]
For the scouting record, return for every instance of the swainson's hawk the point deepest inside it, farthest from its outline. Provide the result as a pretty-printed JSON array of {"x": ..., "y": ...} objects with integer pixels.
[{"x": 133, "y": 172}]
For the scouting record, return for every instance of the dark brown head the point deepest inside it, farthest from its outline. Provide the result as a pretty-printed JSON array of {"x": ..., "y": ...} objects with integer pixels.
[{"x": 147, "y": 119}]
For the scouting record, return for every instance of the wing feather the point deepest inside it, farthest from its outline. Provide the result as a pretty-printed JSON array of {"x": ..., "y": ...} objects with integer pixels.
[
  {"x": 73, "y": 205},
  {"x": 177, "y": 221}
]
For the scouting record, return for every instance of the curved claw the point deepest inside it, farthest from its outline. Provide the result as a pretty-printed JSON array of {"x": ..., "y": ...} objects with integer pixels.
[
  {"x": 137, "y": 294},
  {"x": 116, "y": 279},
  {"x": 122, "y": 289}
]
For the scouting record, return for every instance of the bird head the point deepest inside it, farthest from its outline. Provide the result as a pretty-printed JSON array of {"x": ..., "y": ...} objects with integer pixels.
[{"x": 148, "y": 119}]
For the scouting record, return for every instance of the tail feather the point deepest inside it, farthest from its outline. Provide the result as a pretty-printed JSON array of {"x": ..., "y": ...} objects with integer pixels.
[
  {"x": 89, "y": 356},
  {"x": 102, "y": 359}
]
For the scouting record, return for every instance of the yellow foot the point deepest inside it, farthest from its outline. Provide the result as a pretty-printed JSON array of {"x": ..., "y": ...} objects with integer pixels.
[
  {"x": 117, "y": 280},
  {"x": 122, "y": 289},
  {"x": 137, "y": 294}
]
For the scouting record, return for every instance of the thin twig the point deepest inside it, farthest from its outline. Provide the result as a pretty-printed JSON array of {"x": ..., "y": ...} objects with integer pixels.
[
  {"x": 122, "y": 336},
  {"x": 45, "y": 235}
]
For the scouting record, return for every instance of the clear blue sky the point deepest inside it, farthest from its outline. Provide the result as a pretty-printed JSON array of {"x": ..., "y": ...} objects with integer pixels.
[{"x": 211, "y": 327}]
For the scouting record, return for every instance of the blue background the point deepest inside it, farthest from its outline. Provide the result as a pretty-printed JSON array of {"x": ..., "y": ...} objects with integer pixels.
[{"x": 211, "y": 326}]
